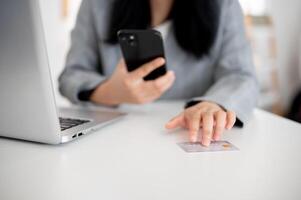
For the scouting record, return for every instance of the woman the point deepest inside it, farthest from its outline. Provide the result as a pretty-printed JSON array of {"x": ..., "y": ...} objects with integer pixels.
[{"x": 206, "y": 49}]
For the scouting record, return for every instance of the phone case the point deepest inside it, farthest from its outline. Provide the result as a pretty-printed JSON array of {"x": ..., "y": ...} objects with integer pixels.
[{"x": 142, "y": 46}]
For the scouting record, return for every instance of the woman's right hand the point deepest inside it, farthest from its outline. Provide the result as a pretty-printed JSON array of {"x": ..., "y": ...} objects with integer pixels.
[{"x": 130, "y": 87}]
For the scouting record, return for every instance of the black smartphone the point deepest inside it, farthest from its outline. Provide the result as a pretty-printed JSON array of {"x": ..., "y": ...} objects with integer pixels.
[{"x": 141, "y": 46}]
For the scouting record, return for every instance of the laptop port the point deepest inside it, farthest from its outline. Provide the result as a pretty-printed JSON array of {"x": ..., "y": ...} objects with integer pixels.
[
  {"x": 74, "y": 136},
  {"x": 80, "y": 134}
]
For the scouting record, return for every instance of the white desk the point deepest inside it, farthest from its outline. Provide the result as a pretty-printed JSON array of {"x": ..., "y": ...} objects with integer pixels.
[{"x": 136, "y": 159}]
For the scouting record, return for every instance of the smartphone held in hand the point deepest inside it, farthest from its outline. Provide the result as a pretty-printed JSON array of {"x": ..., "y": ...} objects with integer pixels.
[{"x": 140, "y": 47}]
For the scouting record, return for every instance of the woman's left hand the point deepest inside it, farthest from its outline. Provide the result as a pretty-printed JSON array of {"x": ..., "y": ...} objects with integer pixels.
[{"x": 206, "y": 116}]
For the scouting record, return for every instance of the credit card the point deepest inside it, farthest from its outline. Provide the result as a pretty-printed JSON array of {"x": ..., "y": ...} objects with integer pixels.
[{"x": 215, "y": 146}]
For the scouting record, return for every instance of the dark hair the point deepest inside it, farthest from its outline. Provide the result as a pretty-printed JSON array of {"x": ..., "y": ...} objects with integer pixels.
[{"x": 195, "y": 22}]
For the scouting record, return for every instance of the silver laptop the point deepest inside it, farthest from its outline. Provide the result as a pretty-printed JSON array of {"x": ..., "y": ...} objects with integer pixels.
[{"x": 27, "y": 104}]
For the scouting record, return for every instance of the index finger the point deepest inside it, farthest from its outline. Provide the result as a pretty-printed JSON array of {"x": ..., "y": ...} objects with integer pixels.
[{"x": 147, "y": 68}]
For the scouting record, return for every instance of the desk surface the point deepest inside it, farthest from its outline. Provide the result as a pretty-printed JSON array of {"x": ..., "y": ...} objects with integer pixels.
[{"x": 137, "y": 159}]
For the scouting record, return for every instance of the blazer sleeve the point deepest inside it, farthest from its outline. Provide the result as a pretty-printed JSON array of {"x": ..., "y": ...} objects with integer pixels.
[
  {"x": 83, "y": 63},
  {"x": 235, "y": 85}
]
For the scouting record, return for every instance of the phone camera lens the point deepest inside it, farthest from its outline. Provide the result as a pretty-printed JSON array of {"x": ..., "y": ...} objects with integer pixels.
[
  {"x": 132, "y": 40},
  {"x": 132, "y": 37},
  {"x": 132, "y": 43}
]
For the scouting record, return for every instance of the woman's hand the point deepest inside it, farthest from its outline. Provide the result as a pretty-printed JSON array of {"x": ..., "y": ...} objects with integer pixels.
[
  {"x": 208, "y": 117},
  {"x": 130, "y": 87}
]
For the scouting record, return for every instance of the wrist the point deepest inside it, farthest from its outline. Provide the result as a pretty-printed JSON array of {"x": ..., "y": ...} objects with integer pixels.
[
  {"x": 104, "y": 95},
  {"x": 211, "y": 104}
]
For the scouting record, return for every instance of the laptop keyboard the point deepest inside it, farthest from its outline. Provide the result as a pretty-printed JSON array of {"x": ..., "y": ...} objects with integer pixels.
[{"x": 67, "y": 123}]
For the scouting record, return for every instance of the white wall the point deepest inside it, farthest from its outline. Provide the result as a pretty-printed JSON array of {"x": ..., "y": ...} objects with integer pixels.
[
  {"x": 57, "y": 31},
  {"x": 254, "y": 7},
  {"x": 287, "y": 16}
]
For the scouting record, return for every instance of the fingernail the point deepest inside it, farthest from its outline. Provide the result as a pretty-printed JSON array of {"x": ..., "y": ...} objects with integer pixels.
[
  {"x": 161, "y": 60},
  {"x": 167, "y": 126},
  {"x": 194, "y": 138},
  {"x": 217, "y": 138},
  {"x": 206, "y": 143},
  {"x": 171, "y": 74}
]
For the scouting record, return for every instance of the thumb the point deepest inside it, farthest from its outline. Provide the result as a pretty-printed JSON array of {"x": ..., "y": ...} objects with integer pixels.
[
  {"x": 121, "y": 66},
  {"x": 175, "y": 122}
]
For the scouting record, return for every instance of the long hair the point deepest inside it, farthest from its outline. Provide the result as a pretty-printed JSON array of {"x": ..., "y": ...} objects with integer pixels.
[{"x": 195, "y": 22}]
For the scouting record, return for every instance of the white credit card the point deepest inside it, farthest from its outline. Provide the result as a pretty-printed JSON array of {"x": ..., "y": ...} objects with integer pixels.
[{"x": 215, "y": 146}]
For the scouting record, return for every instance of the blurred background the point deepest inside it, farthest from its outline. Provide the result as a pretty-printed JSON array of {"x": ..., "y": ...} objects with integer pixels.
[{"x": 273, "y": 29}]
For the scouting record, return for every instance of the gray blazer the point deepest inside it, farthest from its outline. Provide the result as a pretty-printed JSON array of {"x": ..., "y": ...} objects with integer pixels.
[{"x": 225, "y": 76}]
